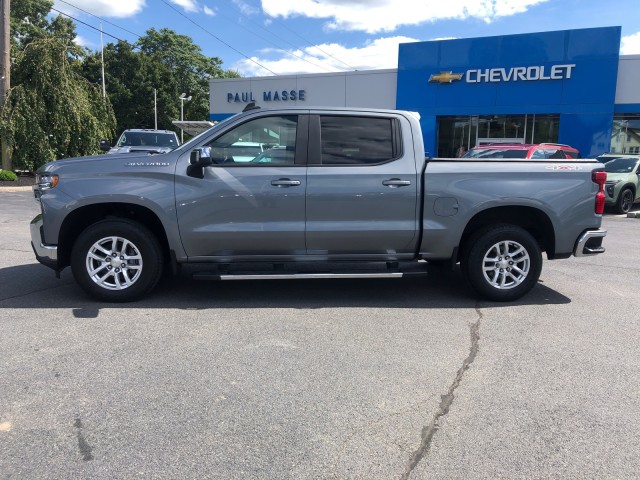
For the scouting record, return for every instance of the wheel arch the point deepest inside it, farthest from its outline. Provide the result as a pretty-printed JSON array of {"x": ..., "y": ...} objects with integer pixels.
[
  {"x": 631, "y": 187},
  {"x": 81, "y": 218},
  {"x": 531, "y": 219}
]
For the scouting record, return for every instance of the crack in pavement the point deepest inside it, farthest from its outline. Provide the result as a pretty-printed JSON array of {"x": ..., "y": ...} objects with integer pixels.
[
  {"x": 446, "y": 400},
  {"x": 83, "y": 445}
]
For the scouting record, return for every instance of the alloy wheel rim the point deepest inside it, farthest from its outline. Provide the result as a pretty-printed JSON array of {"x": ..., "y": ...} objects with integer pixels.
[
  {"x": 114, "y": 263},
  {"x": 506, "y": 265},
  {"x": 626, "y": 201}
]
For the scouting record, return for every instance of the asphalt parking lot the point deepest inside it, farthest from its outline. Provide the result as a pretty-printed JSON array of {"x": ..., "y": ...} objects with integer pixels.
[{"x": 369, "y": 379}]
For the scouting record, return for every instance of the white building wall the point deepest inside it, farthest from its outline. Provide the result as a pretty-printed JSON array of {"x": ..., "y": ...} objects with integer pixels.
[
  {"x": 628, "y": 86},
  {"x": 373, "y": 88}
]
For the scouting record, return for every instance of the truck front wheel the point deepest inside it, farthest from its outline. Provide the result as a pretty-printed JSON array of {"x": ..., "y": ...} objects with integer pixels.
[
  {"x": 117, "y": 260},
  {"x": 502, "y": 262}
]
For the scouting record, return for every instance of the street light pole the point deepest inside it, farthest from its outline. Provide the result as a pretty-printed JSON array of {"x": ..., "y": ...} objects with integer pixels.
[
  {"x": 183, "y": 97},
  {"x": 155, "y": 109}
]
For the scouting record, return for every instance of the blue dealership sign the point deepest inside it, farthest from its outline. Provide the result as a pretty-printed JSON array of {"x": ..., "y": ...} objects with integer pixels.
[{"x": 571, "y": 73}]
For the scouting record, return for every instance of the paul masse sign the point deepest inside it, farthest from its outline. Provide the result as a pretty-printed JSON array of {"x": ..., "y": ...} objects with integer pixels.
[
  {"x": 267, "y": 96},
  {"x": 513, "y": 74}
]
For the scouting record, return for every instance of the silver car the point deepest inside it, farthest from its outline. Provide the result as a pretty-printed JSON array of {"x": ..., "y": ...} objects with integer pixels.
[{"x": 143, "y": 140}]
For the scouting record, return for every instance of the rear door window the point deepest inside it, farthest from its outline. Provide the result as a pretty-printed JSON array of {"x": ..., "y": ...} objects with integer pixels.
[{"x": 351, "y": 140}]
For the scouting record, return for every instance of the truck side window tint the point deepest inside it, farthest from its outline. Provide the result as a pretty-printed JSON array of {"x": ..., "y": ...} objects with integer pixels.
[
  {"x": 263, "y": 141},
  {"x": 347, "y": 140}
]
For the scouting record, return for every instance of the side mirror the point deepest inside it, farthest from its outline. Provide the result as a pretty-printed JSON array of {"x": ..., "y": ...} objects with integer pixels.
[
  {"x": 105, "y": 145},
  {"x": 201, "y": 157}
]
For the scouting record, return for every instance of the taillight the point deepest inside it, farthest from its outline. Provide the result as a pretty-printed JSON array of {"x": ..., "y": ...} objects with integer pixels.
[{"x": 599, "y": 177}]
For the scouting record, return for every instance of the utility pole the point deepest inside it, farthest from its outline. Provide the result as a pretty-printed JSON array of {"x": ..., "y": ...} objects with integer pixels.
[
  {"x": 104, "y": 88},
  {"x": 5, "y": 70},
  {"x": 155, "y": 108}
]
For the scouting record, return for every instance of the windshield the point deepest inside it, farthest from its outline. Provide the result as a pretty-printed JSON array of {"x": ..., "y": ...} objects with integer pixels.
[
  {"x": 148, "y": 139},
  {"x": 495, "y": 153},
  {"x": 621, "y": 165}
]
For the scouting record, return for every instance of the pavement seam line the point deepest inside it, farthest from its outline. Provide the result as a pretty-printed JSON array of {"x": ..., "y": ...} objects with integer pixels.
[{"x": 446, "y": 400}]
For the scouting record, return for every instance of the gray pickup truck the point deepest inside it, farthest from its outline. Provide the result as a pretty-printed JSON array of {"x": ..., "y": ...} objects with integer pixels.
[{"x": 330, "y": 193}]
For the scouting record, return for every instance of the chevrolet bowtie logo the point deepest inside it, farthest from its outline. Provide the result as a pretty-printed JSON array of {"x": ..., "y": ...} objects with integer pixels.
[{"x": 445, "y": 77}]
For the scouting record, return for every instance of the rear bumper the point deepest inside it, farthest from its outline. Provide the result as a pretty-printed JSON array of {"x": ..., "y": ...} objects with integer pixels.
[
  {"x": 590, "y": 243},
  {"x": 45, "y": 254}
]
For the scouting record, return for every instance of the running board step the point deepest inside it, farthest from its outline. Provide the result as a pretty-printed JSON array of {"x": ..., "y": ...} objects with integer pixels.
[{"x": 301, "y": 276}]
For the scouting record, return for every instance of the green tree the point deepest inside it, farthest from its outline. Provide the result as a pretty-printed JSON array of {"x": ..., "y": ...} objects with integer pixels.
[
  {"x": 29, "y": 21},
  {"x": 52, "y": 112},
  {"x": 162, "y": 60},
  {"x": 190, "y": 68},
  {"x": 125, "y": 77}
]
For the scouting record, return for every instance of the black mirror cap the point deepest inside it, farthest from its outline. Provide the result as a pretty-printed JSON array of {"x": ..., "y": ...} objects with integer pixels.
[
  {"x": 105, "y": 145},
  {"x": 201, "y": 157}
]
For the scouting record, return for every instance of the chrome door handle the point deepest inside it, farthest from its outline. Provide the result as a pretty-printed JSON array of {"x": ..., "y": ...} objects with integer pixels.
[
  {"x": 396, "y": 182},
  {"x": 285, "y": 182}
]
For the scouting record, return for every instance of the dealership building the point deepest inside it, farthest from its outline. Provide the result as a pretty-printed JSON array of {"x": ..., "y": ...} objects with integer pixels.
[{"x": 569, "y": 86}]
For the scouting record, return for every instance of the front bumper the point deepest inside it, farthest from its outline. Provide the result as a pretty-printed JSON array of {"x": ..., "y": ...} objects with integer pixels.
[
  {"x": 45, "y": 254},
  {"x": 590, "y": 243}
]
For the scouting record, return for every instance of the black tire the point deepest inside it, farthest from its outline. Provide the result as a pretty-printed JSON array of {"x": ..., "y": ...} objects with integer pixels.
[
  {"x": 625, "y": 201},
  {"x": 513, "y": 256},
  {"x": 117, "y": 260}
]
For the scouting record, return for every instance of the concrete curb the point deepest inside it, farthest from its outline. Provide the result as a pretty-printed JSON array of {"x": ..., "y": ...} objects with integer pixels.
[
  {"x": 633, "y": 215},
  {"x": 15, "y": 189}
]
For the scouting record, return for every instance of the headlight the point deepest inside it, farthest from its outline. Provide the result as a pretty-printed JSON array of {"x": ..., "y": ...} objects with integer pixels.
[
  {"x": 610, "y": 187},
  {"x": 45, "y": 181}
]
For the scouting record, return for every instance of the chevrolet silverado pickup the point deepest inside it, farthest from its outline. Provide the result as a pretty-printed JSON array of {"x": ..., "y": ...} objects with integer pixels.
[{"x": 335, "y": 193}]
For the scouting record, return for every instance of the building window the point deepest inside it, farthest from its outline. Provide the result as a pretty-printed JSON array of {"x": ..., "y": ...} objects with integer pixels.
[
  {"x": 460, "y": 133},
  {"x": 625, "y": 134}
]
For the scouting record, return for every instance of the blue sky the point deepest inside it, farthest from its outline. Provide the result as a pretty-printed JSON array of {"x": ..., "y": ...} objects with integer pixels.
[{"x": 266, "y": 37}]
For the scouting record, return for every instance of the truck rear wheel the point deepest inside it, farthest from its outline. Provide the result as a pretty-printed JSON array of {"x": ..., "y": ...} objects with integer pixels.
[
  {"x": 117, "y": 260},
  {"x": 502, "y": 262}
]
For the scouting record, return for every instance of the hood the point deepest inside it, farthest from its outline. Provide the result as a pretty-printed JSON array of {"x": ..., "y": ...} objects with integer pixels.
[
  {"x": 612, "y": 177},
  {"x": 98, "y": 162}
]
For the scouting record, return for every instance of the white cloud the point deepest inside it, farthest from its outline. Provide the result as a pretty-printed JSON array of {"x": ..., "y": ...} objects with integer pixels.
[
  {"x": 83, "y": 42},
  {"x": 377, "y": 54},
  {"x": 121, "y": 8},
  {"x": 246, "y": 8},
  {"x": 188, "y": 5},
  {"x": 630, "y": 45},
  {"x": 103, "y": 8},
  {"x": 386, "y": 15}
]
